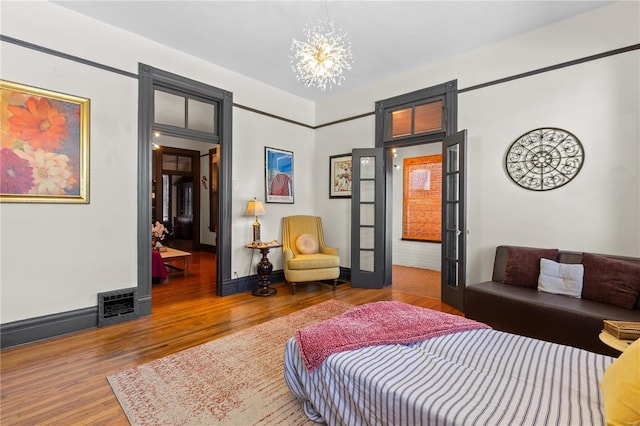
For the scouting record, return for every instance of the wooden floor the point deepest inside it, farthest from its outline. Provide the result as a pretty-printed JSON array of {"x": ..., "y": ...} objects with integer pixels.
[{"x": 62, "y": 381}]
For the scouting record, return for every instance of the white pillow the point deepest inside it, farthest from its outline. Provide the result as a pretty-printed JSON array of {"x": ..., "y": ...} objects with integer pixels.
[
  {"x": 307, "y": 244},
  {"x": 560, "y": 278}
]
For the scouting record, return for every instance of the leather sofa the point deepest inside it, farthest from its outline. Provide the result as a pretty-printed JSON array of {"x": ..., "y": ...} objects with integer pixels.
[{"x": 552, "y": 317}]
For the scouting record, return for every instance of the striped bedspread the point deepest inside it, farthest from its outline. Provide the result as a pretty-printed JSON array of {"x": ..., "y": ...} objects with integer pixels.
[{"x": 478, "y": 377}]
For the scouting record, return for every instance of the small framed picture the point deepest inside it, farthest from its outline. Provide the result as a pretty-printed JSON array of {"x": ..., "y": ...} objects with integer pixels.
[
  {"x": 45, "y": 146},
  {"x": 278, "y": 175},
  {"x": 340, "y": 175}
]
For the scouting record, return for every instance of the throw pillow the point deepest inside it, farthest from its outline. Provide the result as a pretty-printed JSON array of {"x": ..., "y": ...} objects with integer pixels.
[
  {"x": 523, "y": 265},
  {"x": 560, "y": 278},
  {"x": 621, "y": 388},
  {"x": 307, "y": 244},
  {"x": 610, "y": 281}
]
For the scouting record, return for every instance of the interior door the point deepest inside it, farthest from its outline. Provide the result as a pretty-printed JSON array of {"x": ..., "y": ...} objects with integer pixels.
[
  {"x": 454, "y": 219},
  {"x": 370, "y": 250},
  {"x": 184, "y": 218}
]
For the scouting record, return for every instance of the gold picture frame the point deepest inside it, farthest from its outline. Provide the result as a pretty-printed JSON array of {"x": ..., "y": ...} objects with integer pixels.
[{"x": 44, "y": 146}]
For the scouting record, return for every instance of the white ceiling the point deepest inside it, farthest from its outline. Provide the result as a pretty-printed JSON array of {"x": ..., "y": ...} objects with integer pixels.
[{"x": 387, "y": 37}]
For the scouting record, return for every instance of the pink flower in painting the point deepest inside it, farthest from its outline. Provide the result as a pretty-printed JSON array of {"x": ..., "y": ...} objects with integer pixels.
[
  {"x": 17, "y": 174},
  {"x": 51, "y": 172},
  {"x": 40, "y": 124}
]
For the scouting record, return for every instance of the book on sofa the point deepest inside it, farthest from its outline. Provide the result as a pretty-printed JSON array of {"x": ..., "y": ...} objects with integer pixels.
[{"x": 626, "y": 330}]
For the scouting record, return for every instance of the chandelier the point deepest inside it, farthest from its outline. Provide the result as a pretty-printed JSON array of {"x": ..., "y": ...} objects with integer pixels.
[{"x": 323, "y": 58}]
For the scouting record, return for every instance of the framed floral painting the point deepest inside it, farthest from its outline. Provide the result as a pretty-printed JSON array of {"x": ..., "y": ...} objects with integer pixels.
[
  {"x": 44, "y": 146},
  {"x": 278, "y": 175},
  {"x": 340, "y": 176}
]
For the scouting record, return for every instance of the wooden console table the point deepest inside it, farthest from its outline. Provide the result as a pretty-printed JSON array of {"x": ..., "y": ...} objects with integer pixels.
[{"x": 264, "y": 268}]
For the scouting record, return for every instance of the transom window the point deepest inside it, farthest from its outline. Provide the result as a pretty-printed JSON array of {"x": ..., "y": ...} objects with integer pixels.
[
  {"x": 415, "y": 119},
  {"x": 185, "y": 112}
]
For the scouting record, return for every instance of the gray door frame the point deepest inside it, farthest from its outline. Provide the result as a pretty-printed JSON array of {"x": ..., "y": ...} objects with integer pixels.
[
  {"x": 150, "y": 78},
  {"x": 448, "y": 92}
]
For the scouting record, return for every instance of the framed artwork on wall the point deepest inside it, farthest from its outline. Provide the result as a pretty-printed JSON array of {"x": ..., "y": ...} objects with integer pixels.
[
  {"x": 44, "y": 152},
  {"x": 278, "y": 175},
  {"x": 340, "y": 176}
]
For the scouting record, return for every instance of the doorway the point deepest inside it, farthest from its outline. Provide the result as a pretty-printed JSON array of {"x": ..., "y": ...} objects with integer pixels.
[
  {"x": 416, "y": 259},
  {"x": 194, "y": 99},
  {"x": 424, "y": 116},
  {"x": 184, "y": 190}
]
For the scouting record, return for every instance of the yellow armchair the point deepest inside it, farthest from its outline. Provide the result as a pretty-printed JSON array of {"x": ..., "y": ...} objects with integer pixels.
[{"x": 305, "y": 256}]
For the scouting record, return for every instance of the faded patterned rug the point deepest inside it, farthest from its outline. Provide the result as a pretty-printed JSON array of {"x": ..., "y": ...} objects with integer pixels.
[{"x": 234, "y": 380}]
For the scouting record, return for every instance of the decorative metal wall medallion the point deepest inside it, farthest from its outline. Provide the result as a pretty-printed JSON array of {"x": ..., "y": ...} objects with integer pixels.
[{"x": 544, "y": 159}]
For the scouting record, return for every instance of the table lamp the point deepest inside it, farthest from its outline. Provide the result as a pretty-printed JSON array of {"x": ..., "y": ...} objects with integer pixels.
[{"x": 255, "y": 208}]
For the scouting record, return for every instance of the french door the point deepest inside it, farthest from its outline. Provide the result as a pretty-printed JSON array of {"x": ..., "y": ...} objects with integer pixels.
[
  {"x": 370, "y": 250},
  {"x": 371, "y": 225},
  {"x": 454, "y": 220}
]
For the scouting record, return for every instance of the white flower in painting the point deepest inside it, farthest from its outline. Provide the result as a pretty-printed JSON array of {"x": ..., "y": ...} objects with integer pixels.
[{"x": 51, "y": 171}]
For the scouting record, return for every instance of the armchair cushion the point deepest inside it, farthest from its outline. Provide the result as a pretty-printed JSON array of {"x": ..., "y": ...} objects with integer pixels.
[
  {"x": 307, "y": 244},
  {"x": 313, "y": 261}
]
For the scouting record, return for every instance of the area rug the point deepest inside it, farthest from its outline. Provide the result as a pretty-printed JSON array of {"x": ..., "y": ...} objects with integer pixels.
[{"x": 234, "y": 380}]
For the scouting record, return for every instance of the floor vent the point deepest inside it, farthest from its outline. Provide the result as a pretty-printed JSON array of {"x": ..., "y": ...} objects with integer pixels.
[{"x": 117, "y": 306}]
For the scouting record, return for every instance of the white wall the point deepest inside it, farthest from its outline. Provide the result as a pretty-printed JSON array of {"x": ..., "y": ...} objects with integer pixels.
[
  {"x": 598, "y": 101},
  {"x": 251, "y": 133},
  {"x": 336, "y": 212},
  {"x": 56, "y": 258}
]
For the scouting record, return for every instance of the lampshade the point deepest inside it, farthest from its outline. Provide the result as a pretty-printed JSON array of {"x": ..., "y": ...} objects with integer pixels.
[{"x": 254, "y": 208}]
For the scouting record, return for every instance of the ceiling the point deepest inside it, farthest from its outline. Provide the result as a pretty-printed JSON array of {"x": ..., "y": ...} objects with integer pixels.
[{"x": 387, "y": 38}]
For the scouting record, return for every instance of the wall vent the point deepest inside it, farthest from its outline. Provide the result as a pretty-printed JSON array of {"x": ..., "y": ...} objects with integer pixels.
[{"x": 117, "y": 306}]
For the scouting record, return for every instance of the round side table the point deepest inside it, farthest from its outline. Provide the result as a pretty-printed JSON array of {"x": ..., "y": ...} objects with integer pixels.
[{"x": 264, "y": 268}]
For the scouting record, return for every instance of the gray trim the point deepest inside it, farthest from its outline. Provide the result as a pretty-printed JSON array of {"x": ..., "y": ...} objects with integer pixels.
[
  {"x": 277, "y": 117},
  {"x": 250, "y": 282},
  {"x": 553, "y": 67},
  {"x": 145, "y": 115},
  {"x": 343, "y": 120},
  {"x": 40, "y": 328},
  {"x": 150, "y": 78},
  {"x": 63, "y": 55},
  {"x": 48, "y": 326}
]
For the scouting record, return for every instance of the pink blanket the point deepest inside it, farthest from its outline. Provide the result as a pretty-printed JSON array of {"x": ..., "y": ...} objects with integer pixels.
[{"x": 379, "y": 323}]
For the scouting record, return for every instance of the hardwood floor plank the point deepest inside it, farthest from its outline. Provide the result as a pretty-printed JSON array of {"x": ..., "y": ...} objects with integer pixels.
[{"x": 63, "y": 380}]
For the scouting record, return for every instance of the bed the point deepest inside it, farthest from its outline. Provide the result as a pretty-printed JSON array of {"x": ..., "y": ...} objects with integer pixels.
[{"x": 463, "y": 377}]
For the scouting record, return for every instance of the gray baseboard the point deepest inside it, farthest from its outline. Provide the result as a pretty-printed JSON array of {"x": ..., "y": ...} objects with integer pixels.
[
  {"x": 248, "y": 283},
  {"x": 40, "y": 328},
  {"x": 34, "y": 329}
]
